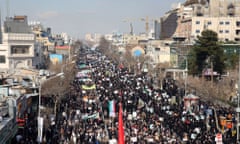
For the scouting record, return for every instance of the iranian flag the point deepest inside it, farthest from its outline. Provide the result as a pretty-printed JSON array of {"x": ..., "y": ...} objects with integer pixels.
[{"x": 112, "y": 108}]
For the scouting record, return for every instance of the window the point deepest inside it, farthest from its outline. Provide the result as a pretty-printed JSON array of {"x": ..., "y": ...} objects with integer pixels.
[
  {"x": 238, "y": 23},
  {"x": 209, "y": 23},
  {"x": 28, "y": 62},
  {"x": 226, "y": 31},
  {"x": 221, "y": 22},
  {"x": 197, "y": 22},
  {"x": 237, "y": 39},
  {"x": 237, "y": 32},
  {"x": 157, "y": 49},
  {"x": 197, "y": 31},
  {"x": 220, "y": 31},
  {"x": 227, "y": 22},
  {"x": 20, "y": 49},
  {"x": 2, "y": 59}
]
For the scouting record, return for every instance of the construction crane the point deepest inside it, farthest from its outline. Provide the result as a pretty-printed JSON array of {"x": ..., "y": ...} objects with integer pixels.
[
  {"x": 147, "y": 20},
  {"x": 146, "y": 24}
]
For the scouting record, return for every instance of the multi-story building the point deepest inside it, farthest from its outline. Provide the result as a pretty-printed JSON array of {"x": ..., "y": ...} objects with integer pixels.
[
  {"x": 43, "y": 36},
  {"x": 221, "y": 16},
  {"x": 228, "y": 28},
  {"x": 95, "y": 38},
  {"x": 159, "y": 51},
  {"x": 223, "y": 8},
  {"x": 157, "y": 29},
  {"x": 168, "y": 24},
  {"x": 17, "y": 48},
  {"x": 129, "y": 39}
]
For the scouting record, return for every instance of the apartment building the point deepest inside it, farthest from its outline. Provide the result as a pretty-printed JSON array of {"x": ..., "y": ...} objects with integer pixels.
[
  {"x": 223, "y": 8},
  {"x": 221, "y": 16},
  {"x": 17, "y": 48},
  {"x": 169, "y": 24},
  {"x": 228, "y": 28},
  {"x": 43, "y": 36},
  {"x": 159, "y": 51}
]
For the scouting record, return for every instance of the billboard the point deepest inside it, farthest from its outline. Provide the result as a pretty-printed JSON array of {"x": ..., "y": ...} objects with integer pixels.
[{"x": 56, "y": 58}]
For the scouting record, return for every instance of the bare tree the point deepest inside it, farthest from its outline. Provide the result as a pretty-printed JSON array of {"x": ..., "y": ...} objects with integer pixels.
[
  {"x": 160, "y": 71},
  {"x": 56, "y": 88},
  {"x": 129, "y": 60},
  {"x": 219, "y": 91},
  {"x": 104, "y": 45}
]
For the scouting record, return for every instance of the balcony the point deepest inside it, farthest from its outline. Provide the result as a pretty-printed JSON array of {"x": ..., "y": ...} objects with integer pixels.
[
  {"x": 21, "y": 51},
  {"x": 18, "y": 37}
]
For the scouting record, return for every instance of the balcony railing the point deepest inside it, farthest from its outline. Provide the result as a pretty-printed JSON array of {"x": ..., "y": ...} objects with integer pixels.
[
  {"x": 18, "y": 36},
  {"x": 22, "y": 55}
]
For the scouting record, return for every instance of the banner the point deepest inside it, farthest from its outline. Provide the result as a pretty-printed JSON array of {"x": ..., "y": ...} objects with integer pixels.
[
  {"x": 93, "y": 116},
  {"x": 140, "y": 103},
  {"x": 40, "y": 129},
  {"x": 56, "y": 58},
  {"x": 92, "y": 87}
]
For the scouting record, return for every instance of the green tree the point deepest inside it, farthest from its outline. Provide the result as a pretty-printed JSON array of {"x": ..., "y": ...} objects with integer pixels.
[{"x": 206, "y": 50}]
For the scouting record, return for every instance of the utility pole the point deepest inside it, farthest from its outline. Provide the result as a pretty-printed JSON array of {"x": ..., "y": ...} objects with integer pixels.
[
  {"x": 186, "y": 75},
  {"x": 211, "y": 59},
  {"x": 69, "y": 50},
  {"x": 238, "y": 108}
]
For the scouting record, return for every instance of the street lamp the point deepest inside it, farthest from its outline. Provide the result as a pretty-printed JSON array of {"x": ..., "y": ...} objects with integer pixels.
[
  {"x": 40, "y": 119},
  {"x": 69, "y": 49},
  {"x": 186, "y": 75}
]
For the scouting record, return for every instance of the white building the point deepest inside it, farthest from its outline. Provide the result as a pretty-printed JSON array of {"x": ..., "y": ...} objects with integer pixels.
[
  {"x": 221, "y": 16},
  {"x": 159, "y": 51},
  {"x": 228, "y": 28},
  {"x": 93, "y": 37},
  {"x": 17, "y": 48},
  {"x": 66, "y": 38}
]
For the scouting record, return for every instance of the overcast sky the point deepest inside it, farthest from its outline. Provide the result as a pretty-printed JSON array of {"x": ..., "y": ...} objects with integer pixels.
[{"x": 78, "y": 17}]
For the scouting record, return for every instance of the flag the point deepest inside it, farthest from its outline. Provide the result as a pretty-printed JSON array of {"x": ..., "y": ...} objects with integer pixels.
[
  {"x": 120, "y": 126},
  {"x": 111, "y": 107}
]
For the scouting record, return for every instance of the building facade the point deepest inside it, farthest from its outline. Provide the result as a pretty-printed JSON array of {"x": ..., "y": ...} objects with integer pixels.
[
  {"x": 159, "y": 51},
  {"x": 17, "y": 48},
  {"x": 228, "y": 28},
  {"x": 221, "y": 16}
]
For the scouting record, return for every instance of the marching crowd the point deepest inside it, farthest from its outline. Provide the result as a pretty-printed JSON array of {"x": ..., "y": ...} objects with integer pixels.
[
  {"x": 89, "y": 114},
  {"x": 150, "y": 114}
]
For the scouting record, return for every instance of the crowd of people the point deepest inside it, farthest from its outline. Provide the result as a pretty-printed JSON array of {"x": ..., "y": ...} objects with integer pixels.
[
  {"x": 88, "y": 114},
  {"x": 150, "y": 114}
]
